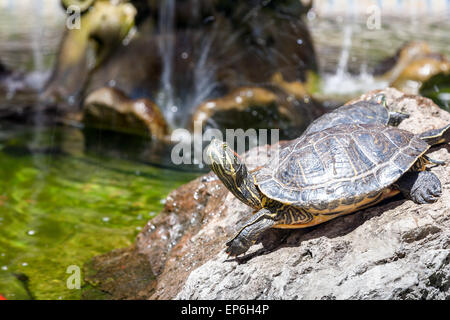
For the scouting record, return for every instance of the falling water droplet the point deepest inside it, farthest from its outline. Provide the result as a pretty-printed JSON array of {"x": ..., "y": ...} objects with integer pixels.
[
  {"x": 71, "y": 100},
  {"x": 311, "y": 15}
]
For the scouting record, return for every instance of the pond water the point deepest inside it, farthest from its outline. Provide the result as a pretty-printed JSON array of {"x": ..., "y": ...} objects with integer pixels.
[{"x": 61, "y": 204}]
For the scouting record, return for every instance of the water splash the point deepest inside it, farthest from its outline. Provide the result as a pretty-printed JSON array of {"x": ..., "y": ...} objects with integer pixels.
[
  {"x": 342, "y": 82},
  {"x": 174, "y": 101},
  {"x": 205, "y": 70},
  {"x": 204, "y": 74}
]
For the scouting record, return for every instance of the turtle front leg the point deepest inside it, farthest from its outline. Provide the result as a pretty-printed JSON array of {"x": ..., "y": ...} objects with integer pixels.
[
  {"x": 247, "y": 236},
  {"x": 420, "y": 187}
]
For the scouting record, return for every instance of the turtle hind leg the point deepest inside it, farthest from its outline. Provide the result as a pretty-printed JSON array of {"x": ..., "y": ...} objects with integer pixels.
[
  {"x": 436, "y": 136},
  {"x": 247, "y": 236},
  {"x": 421, "y": 163},
  {"x": 420, "y": 187},
  {"x": 433, "y": 161},
  {"x": 395, "y": 118}
]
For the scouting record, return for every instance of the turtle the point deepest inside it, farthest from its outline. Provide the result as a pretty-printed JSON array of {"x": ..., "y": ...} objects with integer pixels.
[
  {"x": 373, "y": 110},
  {"x": 327, "y": 174}
]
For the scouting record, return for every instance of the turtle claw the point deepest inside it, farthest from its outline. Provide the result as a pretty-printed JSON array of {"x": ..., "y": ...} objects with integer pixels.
[
  {"x": 248, "y": 235},
  {"x": 421, "y": 187},
  {"x": 236, "y": 247}
]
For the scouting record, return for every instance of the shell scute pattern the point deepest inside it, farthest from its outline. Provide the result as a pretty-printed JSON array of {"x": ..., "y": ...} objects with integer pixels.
[
  {"x": 361, "y": 162},
  {"x": 308, "y": 164},
  {"x": 402, "y": 161},
  {"x": 335, "y": 158},
  {"x": 343, "y": 165},
  {"x": 359, "y": 112},
  {"x": 400, "y": 138},
  {"x": 387, "y": 174},
  {"x": 375, "y": 145}
]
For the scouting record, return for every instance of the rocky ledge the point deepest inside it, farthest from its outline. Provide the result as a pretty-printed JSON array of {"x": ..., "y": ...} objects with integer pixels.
[{"x": 396, "y": 250}]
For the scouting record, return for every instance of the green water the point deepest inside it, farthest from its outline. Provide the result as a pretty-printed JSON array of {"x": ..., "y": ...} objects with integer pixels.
[{"x": 60, "y": 206}]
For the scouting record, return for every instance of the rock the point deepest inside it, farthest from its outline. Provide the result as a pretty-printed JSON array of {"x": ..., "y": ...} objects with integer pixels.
[
  {"x": 395, "y": 250},
  {"x": 198, "y": 55},
  {"x": 83, "y": 5},
  {"x": 289, "y": 109},
  {"x": 4, "y": 71},
  {"x": 392, "y": 66},
  {"x": 125, "y": 273},
  {"x": 16, "y": 284},
  {"x": 83, "y": 49},
  {"x": 166, "y": 241},
  {"x": 19, "y": 94},
  {"x": 109, "y": 108},
  {"x": 412, "y": 65}
]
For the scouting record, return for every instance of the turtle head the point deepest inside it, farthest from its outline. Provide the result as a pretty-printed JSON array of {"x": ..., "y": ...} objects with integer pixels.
[
  {"x": 233, "y": 173},
  {"x": 225, "y": 163}
]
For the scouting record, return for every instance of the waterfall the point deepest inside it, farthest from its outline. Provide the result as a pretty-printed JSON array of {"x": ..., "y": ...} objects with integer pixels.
[
  {"x": 176, "y": 103},
  {"x": 344, "y": 83},
  {"x": 204, "y": 71},
  {"x": 342, "y": 68},
  {"x": 38, "y": 59},
  {"x": 165, "y": 97},
  {"x": 40, "y": 73}
]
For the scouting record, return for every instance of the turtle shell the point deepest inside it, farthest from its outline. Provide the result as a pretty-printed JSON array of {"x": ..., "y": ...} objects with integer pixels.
[
  {"x": 371, "y": 111},
  {"x": 340, "y": 166}
]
